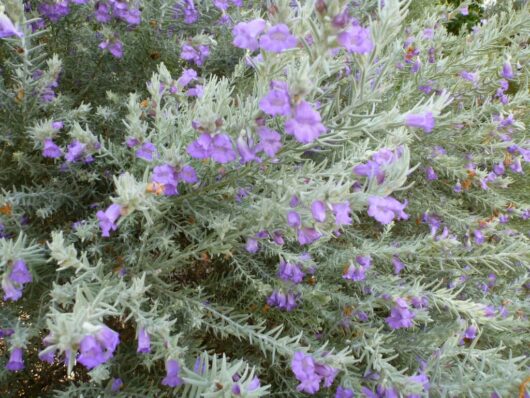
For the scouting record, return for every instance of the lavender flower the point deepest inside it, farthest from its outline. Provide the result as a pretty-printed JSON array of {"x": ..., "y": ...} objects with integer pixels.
[
  {"x": 20, "y": 273},
  {"x": 222, "y": 150},
  {"x": 385, "y": 209},
  {"x": 356, "y": 39},
  {"x": 277, "y": 101},
  {"x": 246, "y": 34},
  {"x": 342, "y": 213},
  {"x": 303, "y": 367},
  {"x": 270, "y": 141},
  {"x": 16, "y": 362},
  {"x": 51, "y": 150},
  {"x": 424, "y": 121},
  {"x": 344, "y": 393},
  {"x": 116, "y": 385},
  {"x": 172, "y": 378},
  {"x": 114, "y": 46},
  {"x": 7, "y": 28},
  {"x": 98, "y": 348},
  {"x": 197, "y": 54},
  {"x": 144, "y": 341},
  {"x": 188, "y": 75},
  {"x": 290, "y": 272},
  {"x": 293, "y": 219},
  {"x": 187, "y": 10},
  {"x": 201, "y": 147},
  {"x": 400, "y": 315},
  {"x": 75, "y": 152},
  {"x": 318, "y": 210},
  {"x": 287, "y": 302},
  {"x": 166, "y": 175},
  {"x": 146, "y": 151},
  {"x": 507, "y": 71},
  {"x": 398, "y": 264},
  {"x": 306, "y": 235},
  {"x": 277, "y": 39},
  {"x": 107, "y": 219},
  {"x": 306, "y": 124}
]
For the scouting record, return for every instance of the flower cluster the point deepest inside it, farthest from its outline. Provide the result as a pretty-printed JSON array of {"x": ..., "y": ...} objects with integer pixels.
[
  {"x": 15, "y": 277},
  {"x": 400, "y": 316},
  {"x": 311, "y": 374},
  {"x": 257, "y": 34}
]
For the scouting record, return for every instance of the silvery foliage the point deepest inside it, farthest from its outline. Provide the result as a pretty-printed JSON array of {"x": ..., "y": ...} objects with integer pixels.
[{"x": 178, "y": 265}]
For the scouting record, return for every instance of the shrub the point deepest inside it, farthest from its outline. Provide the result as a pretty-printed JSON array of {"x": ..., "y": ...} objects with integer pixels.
[{"x": 272, "y": 198}]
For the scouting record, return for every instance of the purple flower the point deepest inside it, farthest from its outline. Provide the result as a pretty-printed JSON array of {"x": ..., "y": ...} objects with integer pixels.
[
  {"x": 277, "y": 39},
  {"x": 188, "y": 75},
  {"x": 318, "y": 210},
  {"x": 7, "y": 29},
  {"x": 400, "y": 315},
  {"x": 293, "y": 219},
  {"x": 222, "y": 150},
  {"x": 306, "y": 124},
  {"x": 188, "y": 10},
  {"x": 91, "y": 352},
  {"x": 201, "y": 147},
  {"x": 356, "y": 39},
  {"x": 424, "y": 121},
  {"x": 172, "y": 378},
  {"x": 342, "y": 213},
  {"x": 290, "y": 272},
  {"x": 51, "y": 150},
  {"x": 277, "y": 101},
  {"x": 479, "y": 236},
  {"x": 385, "y": 209},
  {"x": 306, "y": 235},
  {"x": 11, "y": 292},
  {"x": 116, "y": 385},
  {"x": 144, "y": 341},
  {"x": 431, "y": 174},
  {"x": 20, "y": 273},
  {"x": 470, "y": 76},
  {"x": 167, "y": 176},
  {"x": 146, "y": 151},
  {"x": 75, "y": 151},
  {"x": 57, "y": 125},
  {"x": 343, "y": 393},
  {"x": 247, "y": 150},
  {"x": 287, "y": 302},
  {"x": 464, "y": 10},
  {"x": 16, "y": 362},
  {"x": 327, "y": 373},
  {"x": 187, "y": 174},
  {"x": 355, "y": 273},
  {"x": 252, "y": 245},
  {"x": 303, "y": 366},
  {"x": 107, "y": 219},
  {"x": 197, "y": 55},
  {"x": 246, "y": 34},
  {"x": 469, "y": 334},
  {"x": 398, "y": 264},
  {"x": 507, "y": 71},
  {"x": 270, "y": 141},
  {"x": 114, "y": 46}
]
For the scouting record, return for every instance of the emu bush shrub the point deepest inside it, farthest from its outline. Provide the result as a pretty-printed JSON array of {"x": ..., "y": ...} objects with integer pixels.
[{"x": 283, "y": 198}]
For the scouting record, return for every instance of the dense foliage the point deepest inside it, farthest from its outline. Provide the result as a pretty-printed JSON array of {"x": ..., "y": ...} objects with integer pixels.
[{"x": 239, "y": 198}]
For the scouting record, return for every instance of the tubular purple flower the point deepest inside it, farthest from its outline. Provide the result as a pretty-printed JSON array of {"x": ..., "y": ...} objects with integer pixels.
[
  {"x": 144, "y": 341},
  {"x": 91, "y": 352},
  {"x": 306, "y": 235},
  {"x": 11, "y": 292},
  {"x": 187, "y": 174},
  {"x": 385, "y": 209},
  {"x": 7, "y": 28},
  {"x": 356, "y": 39},
  {"x": 51, "y": 150},
  {"x": 293, "y": 219},
  {"x": 342, "y": 213},
  {"x": 277, "y": 101},
  {"x": 423, "y": 121},
  {"x": 201, "y": 148},
  {"x": 76, "y": 150},
  {"x": 146, "y": 151},
  {"x": 246, "y": 34},
  {"x": 116, "y": 385},
  {"x": 290, "y": 272},
  {"x": 252, "y": 245},
  {"x": 507, "y": 71},
  {"x": 20, "y": 273},
  {"x": 188, "y": 75},
  {"x": 107, "y": 219},
  {"x": 400, "y": 315},
  {"x": 318, "y": 210},
  {"x": 277, "y": 39},
  {"x": 172, "y": 378},
  {"x": 16, "y": 362},
  {"x": 343, "y": 393},
  {"x": 270, "y": 141},
  {"x": 222, "y": 150},
  {"x": 306, "y": 124}
]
